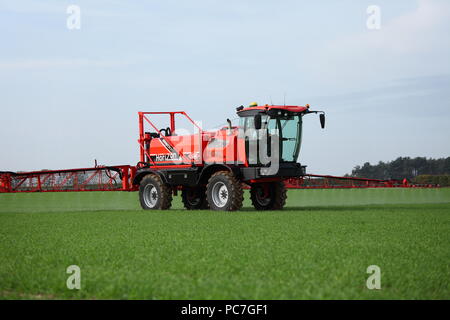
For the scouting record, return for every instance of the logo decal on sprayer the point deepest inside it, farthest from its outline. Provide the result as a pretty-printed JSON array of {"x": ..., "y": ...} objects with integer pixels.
[{"x": 166, "y": 157}]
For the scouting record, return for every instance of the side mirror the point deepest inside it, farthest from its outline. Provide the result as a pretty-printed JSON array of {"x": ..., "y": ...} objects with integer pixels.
[
  {"x": 322, "y": 120},
  {"x": 257, "y": 121}
]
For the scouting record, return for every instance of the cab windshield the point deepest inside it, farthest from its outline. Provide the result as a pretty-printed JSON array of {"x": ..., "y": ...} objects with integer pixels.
[{"x": 288, "y": 129}]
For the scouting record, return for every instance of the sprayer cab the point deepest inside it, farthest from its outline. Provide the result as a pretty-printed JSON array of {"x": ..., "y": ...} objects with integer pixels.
[{"x": 278, "y": 122}]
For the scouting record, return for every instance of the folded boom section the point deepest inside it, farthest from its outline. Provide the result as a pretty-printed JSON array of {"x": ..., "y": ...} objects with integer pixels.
[{"x": 114, "y": 178}]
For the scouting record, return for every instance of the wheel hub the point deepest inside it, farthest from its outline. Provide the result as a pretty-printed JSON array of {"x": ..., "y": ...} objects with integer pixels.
[
  {"x": 220, "y": 194},
  {"x": 262, "y": 196},
  {"x": 193, "y": 197},
  {"x": 150, "y": 195}
]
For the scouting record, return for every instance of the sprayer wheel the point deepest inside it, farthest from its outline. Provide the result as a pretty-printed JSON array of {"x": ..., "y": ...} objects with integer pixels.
[
  {"x": 154, "y": 194},
  {"x": 224, "y": 192},
  {"x": 194, "y": 198},
  {"x": 268, "y": 196}
]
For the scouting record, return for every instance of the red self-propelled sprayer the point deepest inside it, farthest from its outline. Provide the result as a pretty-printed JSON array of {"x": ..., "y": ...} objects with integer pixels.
[{"x": 209, "y": 168}]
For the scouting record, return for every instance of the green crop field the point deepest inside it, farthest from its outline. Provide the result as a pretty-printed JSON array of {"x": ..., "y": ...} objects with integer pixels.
[{"x": 319, "y": 247}]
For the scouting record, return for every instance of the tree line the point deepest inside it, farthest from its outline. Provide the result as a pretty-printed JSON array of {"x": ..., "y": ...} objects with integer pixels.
[{"x": 420, "y": 170}]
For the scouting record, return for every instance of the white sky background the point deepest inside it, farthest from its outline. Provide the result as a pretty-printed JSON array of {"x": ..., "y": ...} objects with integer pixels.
[{"x": 69, "y": 96}]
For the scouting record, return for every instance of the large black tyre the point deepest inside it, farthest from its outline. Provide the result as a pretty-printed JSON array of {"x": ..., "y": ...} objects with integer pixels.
[
  {"x": 224, "y": 192},
  {"x": 268, "y": 196},
  {"x": 154, "y": 194},
  {"x": 194, "y": 198}
]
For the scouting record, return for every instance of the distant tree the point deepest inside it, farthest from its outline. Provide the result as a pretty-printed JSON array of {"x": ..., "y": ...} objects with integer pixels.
[{"x": 404, "y": 167}]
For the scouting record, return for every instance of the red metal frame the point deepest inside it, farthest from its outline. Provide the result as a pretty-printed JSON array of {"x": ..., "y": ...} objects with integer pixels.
[{"x": 143, "y": 139}]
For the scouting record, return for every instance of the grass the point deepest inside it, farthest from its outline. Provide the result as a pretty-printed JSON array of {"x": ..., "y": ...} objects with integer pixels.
[{"x": 318, "y": 248}]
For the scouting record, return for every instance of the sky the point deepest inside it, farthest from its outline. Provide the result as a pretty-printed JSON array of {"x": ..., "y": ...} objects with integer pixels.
[{"x": 69, "y": 96}]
